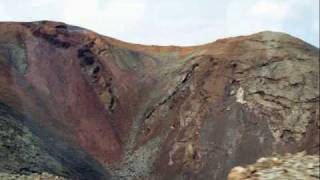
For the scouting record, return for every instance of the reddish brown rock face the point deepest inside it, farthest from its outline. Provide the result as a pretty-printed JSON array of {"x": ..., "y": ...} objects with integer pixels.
[{"x": 98, "y": 108}]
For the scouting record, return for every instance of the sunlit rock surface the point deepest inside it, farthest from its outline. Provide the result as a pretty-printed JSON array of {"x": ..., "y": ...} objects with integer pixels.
[
  {"x": 80, "y": 105},
  {"x": 286, "y": 167},
  {"x": 34, "y": 176}
]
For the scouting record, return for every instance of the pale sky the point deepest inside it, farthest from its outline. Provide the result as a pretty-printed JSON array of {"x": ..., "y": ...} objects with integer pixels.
[{"x": 173, "y": 22}]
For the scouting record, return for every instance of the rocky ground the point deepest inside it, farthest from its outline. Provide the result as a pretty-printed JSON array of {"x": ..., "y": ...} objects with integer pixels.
[
  {"x": 42, "y": 176},
  {"x": 80, "y": 105},
  {"x": 285, "y": 167}
]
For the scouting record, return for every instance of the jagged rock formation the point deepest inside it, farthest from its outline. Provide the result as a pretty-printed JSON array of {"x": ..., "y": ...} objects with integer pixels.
[
  {"x": 289, "y": 166},
  {"x": 80, "y": 105}
]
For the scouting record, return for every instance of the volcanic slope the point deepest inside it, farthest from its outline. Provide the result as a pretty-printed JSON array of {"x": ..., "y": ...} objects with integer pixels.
[{"x": 80, "y": 105}]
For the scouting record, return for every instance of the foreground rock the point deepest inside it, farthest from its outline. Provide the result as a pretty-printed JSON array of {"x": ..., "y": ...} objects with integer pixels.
[
  {"x": 289, "y": 166},
  {"x": 42, "y": 176},
  {"x": 80, "y": 105}
]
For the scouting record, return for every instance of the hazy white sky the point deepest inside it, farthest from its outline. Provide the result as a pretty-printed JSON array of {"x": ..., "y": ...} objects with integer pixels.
[{"x": 173, "y": 22}]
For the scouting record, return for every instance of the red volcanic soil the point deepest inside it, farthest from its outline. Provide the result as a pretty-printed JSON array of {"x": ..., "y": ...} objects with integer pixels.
[{"x": 99, "y": 108}]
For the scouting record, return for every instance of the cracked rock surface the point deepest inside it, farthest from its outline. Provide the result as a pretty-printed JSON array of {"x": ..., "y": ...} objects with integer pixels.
[{"x": 80, "y": 105}]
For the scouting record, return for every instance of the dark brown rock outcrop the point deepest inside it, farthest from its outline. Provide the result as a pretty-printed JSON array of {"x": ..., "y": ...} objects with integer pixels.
[{"x": 80, "y": 105}]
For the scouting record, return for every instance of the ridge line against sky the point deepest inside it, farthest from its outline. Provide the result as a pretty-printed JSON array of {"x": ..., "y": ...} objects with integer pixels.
[{"x": 173, "y": 22}]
